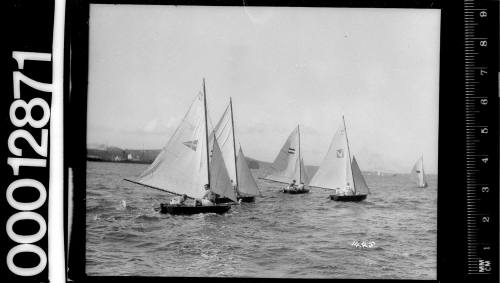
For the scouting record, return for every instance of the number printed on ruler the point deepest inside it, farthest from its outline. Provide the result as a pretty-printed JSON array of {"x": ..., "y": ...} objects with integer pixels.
[
  {"x": 22, "y": 116},
  {"x": 477, "y": 134}
]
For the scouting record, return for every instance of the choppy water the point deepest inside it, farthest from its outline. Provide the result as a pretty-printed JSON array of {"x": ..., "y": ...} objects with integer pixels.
[{"x": 280, "y": 235}]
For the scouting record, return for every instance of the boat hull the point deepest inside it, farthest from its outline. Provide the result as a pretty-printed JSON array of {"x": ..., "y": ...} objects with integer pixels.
[
  {"x": 223, "y": 200},
  {"x": 246, "y": 199},
  {"x": 353, "y": 198},
  {"x": 296, "y": 192},
  {"x": 243, "y": 199},
  {"x": 189, "y": 210}
]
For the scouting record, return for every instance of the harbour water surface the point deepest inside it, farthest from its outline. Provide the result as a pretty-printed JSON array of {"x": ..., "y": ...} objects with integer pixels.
[{"x": 280, "y": 235}]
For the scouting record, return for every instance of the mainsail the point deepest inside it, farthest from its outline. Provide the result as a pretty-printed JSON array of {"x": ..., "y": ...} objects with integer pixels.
[
  {"x": 337, "y": 171},
  {"x": 246, "y": 183},
  {"x": 418, "y": 173},
  {"x": 219, "y": 178},
  {"x": 287, "y": 166},
  {"x": 181, "y": 166},
  {"x": 223, "y": 132}
]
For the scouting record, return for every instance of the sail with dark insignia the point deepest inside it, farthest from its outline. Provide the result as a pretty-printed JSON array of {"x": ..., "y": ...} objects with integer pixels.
[
  {"x": 337, "y": 171},
  {"x": 286, "y": 165},
  {"x": 181, "y": 166}
]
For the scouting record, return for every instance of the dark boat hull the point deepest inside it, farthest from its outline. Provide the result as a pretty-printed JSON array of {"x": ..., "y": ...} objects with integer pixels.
[
  {"x": 243, "y": 199},
  {"x": 224, "y": 200},
  {"x": 189, "y": 210},
  {"x": 247, "y": 199},
  {"x": 353, "y": 198},
  {"x": 295, "y": 192}
]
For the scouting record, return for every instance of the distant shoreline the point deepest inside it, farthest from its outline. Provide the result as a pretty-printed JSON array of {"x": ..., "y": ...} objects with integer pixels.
[
  {"x": 137, "y": 156},
  {"x": 121, "y": 161}
]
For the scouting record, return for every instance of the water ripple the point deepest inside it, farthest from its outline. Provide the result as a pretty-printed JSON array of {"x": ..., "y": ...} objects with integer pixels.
[{"x": 280, "y": 235}]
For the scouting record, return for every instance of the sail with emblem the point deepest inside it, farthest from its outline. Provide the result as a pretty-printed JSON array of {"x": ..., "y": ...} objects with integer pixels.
[
  {"x": 337, "y": 171},
  {"x": 181, "y": 166},
  {"x": 184, "y": 165},
  {"x": 246, "y": 182},
  {"x": 288, "y": 164},
  {"x": 418, "y": 174}
]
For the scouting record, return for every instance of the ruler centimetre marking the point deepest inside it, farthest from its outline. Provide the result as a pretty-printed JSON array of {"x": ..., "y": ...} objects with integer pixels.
[{"x": 477, "y": 97}]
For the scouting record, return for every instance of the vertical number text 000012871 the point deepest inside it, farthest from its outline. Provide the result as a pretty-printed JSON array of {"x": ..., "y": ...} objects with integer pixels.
[{"x": 26, "y": 243}]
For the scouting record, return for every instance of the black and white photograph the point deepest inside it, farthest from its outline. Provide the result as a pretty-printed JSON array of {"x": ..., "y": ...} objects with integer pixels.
[{"x": 262, "y": 142}]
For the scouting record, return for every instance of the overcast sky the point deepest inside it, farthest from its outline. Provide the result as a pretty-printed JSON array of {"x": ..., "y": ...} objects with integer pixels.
[{"x": 281, "y": 66}]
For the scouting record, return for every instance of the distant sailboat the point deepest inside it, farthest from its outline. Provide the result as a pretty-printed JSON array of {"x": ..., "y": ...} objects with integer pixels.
[
  {"x": 184, "y": 166},
  {"x": 339, "y": 173},
  {"x": 289, "y": 164},
  {"x": 418, "y": 174},
  {"x": 245, "y": 186}
]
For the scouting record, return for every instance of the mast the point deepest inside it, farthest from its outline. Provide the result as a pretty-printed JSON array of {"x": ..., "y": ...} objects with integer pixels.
[
  {"x": 423, "y": 174},
  {"x": 234, "y": 144},
  {"x": 349, "y": 153},
  {"x": 300, "y": 160},
  {"x": 422, "y": 164},
  {"x": 206, "y": 130}
]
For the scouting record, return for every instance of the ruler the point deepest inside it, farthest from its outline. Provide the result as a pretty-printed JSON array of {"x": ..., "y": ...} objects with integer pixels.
[{"x": 481, "y": 137}]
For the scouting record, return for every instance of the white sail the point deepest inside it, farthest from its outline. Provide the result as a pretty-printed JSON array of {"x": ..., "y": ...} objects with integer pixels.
[
  {"x": 359, "y": 180},
  {"x": 219, "y": 178},
  {"x": 335, "y": 170},
  {"x": 285, "y": 167},
  {"x": 246, "y": 183},
  {"x": 418, "y": 173},
  {"x": 304, "y": 176},
  {"x": 223, "y": 132},
  {"x": 181, "y": 166}
]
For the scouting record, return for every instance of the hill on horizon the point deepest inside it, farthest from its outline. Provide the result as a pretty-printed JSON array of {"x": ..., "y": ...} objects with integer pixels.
[{"x": 101, "y": 152}]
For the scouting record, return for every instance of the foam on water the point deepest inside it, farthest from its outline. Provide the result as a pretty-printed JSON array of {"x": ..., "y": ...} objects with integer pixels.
[{"x": 280, "y": 235}]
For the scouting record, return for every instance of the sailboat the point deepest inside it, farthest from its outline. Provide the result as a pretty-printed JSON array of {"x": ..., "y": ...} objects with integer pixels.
[
  {"x": 339, "y": 172},
  {"x": 418, "y": 174},
  {"x": 184, "y": 166},
  {"x": 244, "y": 184},
  {"x": 288, "y": 165}
]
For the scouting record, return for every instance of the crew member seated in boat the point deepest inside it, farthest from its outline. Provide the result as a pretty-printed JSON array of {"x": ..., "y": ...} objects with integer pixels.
[
  {"x": 179, "y": 200},
  {"x": 301, "y": 186},
  {"x": 292, "y": 186},
  {"x": 209, "y": 197},
  {"x": 347, "y": 190}
]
